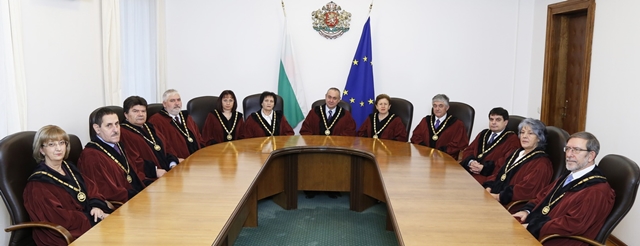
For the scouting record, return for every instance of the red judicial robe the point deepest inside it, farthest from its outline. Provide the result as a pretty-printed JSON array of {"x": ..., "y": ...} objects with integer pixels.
[
  {"x": 342, "y": 123},
  {"x": 452, "y": 136},
  {"x": 46, "y": 199},
  {"x": 214, "y": 131},
  {"x": 586, "y": 203},
  {"x": 256, "y": 126},
  {"x": 110, "y": 177},
  {"x": 390, "y": 127},
  {"x": 494, "y": 155},
  {"x": 176, "y": 134},
  {"x": 139, "y": 144},
  {"x": 524, "y": 179}
]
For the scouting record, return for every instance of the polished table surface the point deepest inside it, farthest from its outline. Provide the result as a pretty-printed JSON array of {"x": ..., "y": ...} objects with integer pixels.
[{"x": 432, "y": 199}]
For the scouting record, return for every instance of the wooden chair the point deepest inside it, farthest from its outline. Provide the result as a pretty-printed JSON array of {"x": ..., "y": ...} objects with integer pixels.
[
  {"x": 200, "y": 107},
  {"x": 623, "y": 175},
  {"x": 251, "y": 104},
  {"x": 16, "y": 164}
]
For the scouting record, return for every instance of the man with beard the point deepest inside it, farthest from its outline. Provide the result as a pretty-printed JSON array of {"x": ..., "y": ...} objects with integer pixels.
[
  {"x": 104, "y": 160},
  {"x": 144, "y": 145},
  {"x": 575, "y": 204},
  {"x": 181, "y": 132}
]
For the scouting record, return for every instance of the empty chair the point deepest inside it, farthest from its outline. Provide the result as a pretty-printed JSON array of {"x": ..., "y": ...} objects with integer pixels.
[
  {"x": 153, "y": 108},
  {"x": 463, "y": 112},
  {"x": 200, "y": 107},
  {"x": 343, "y": 104},
  {"x": 403, "y": 109},
  {"x": 251, "y": 104},
  {"x": 119, "y": 111},
  {"x": 514, "y": 121},
  {"x": 623, "y": 176},
  {"x": 16, "y": 165}
]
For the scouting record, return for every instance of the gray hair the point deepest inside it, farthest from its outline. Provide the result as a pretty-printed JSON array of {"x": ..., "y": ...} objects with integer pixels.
[
  {"x": 168, "y": 93},
  {"x": 592, "y": 142},
  {"x": 538, "y": 128},
  {"x": 441, "y": 98}
]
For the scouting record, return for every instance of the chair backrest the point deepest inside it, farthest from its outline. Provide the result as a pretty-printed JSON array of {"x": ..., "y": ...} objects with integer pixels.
[
  {"x": 153, "y": 108},
  {"x": 343, "y": 104},
  {"x": 514, "y": 121},
  {"x": 200, "y": 107},
  {"x": 251, "y": 104},
  {"x": 119, "y": 111},
  {"x": 76, "y": 149},
  {"x": 556, "y": 140},
  {"x": 465, "y": 113},
  {"x": 16, "y": 164},
  {"x": 403, "y": 109},
  {"x": 623, "y": 176}
]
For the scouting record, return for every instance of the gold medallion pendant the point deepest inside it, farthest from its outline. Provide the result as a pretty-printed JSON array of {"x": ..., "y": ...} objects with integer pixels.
[
  {"x": 157, "y": 147},
  {"x": 327, "y": 132},
  {"x": 545, "y": 210},
  {"x": 81, "y": 196},
  {"x": 129, "y": 179},
  {"x": 503, "y": 177},
  {"x": 480, "y": 156},
  {"x": 229, "y": 137},
  {"x": 375, "y": 136},
  {"x": 435, "y": 137},
  {"x": 190, "y": 139}
]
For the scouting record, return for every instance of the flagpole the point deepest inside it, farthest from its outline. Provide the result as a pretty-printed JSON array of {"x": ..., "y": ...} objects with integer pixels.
[
  {"x": 370, "y": 6},
  {"x": 285, "y": 12}
]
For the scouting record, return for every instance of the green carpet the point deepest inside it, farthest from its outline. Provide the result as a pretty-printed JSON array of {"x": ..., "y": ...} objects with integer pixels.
[{"x": 318, "y": 221}]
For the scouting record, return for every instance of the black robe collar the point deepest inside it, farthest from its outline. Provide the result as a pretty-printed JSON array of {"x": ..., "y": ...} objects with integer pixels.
[
  {"x": 257, "y": 116},
  {"x": 320, "y": 110}
]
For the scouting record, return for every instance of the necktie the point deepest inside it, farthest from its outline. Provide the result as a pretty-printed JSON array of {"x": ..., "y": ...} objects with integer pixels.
[
  {"x": 568, "y": 180},
  {"x": 493, "y": 136},
  {"x": 437, "y": 123},
  {"x": 330, "y": 115},
  {"x": 176, "y": 119},
  {"x": 117, "y": 149}
]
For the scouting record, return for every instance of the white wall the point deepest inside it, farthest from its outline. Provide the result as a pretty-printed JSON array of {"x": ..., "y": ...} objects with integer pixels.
[
  {"x": 420, "y": 48},
  {"x": 63, "y": 66}
]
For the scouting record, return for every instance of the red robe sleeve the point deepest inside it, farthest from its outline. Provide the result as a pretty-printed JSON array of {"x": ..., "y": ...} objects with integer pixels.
[
  {"x": 531, "y": 178},
  {"x": 107, "y": 175},
  {"x": 50, "y": 203},
  {"x": 421, "y": 133},
  {"x": 137, "y": 152},
  {"x": 175, "y": 141},
  {"x": 346, "y": 125},
  {"x": 213, "y": 131},
  {"x": 394, "y": 131},
  {"x": 310, "y": 124},
  {"x": 251, "y": 129},
  {"x": 285, "y": 128}
]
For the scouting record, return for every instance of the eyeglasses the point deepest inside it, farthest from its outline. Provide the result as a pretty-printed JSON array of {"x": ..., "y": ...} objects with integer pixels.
[
  {"x": 573, "y": 149},
  {"x": 60, "y": 143}
]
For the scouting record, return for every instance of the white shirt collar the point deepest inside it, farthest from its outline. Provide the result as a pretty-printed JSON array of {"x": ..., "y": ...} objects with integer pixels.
[
  {"x": 267, "y": 117},
  {"x": 110, "y": 144},
  {"x": 441, "y": 118},
  {"x": 582, "y": 172}
]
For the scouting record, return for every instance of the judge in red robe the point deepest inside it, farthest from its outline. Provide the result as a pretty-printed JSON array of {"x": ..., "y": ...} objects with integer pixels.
[
  {"x": 143, "y": 144},
  {"x": 56, "y": 192},
  {"x": 104, "y": 161},
  {"x": 441, "y": 131},
  {"x": 576, "y": 204},
  {"x": 382, "y": 124},
  {"x": 329, "y": 119},
  {"x": 490, "y": 149},
  {"x": 224, "y": 123},
  {"x": 267, "y": 121},
  {"x": 179, "y": 129}
]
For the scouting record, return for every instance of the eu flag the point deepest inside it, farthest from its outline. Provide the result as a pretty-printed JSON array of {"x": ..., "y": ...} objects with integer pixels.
[{"x": 359, "y": 89}]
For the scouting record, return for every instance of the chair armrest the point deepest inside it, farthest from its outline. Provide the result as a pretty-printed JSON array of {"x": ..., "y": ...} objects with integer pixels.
[
  {"x": 63, "y": 231},
  {"x": 114, "y": 204},
  {"x": 513, "y": 203},
  {"x": 579, "y": 238}
]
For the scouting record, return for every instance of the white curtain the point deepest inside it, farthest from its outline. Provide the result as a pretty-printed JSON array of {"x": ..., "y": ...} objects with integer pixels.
[
  {"x": 13, "y": 103},
  {"x": 139, "y": 48},
  {"x": 111, "y": 51}
]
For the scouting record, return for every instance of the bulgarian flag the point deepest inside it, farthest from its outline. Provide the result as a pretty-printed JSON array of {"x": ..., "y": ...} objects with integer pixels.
[{"x": 289, "y": 84}]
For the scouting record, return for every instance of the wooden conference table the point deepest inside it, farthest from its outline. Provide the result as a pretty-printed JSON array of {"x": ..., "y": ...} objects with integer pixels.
[{"x": 207, "y": 199}]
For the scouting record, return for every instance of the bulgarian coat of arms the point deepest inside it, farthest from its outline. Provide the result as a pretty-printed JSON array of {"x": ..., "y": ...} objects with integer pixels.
[{"x": 331, "y": 21}]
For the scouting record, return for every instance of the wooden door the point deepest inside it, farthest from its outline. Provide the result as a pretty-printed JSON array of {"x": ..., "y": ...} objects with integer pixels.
[{"x": 567, "y": 64}]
